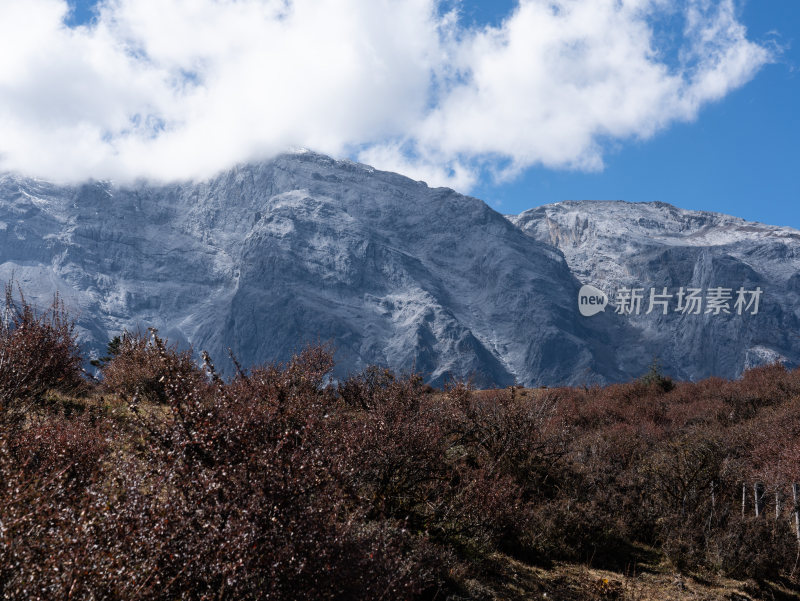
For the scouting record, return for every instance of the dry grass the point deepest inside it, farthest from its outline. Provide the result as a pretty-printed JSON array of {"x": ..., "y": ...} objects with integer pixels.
[{"x": 508, "y": 579}]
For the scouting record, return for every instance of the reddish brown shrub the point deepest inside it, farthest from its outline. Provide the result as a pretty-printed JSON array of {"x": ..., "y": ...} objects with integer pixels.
[
  {"x": 761, "y": 387},
  {"x": 253, "y": 504},
  {"x": 278, "y": 484},
  {"x": 38, "y": 351},
  {"x": 49, "y": 476},
  {"x": 142, "y": 363}
]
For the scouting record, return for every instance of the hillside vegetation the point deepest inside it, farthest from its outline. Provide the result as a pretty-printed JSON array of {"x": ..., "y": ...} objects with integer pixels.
[{"x": 164, "y": 481}]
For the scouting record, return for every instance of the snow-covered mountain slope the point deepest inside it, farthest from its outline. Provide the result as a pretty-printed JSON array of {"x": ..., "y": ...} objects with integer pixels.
[
  {"x": 267, "y": 257},
  {"x": 616, "y": 244}
]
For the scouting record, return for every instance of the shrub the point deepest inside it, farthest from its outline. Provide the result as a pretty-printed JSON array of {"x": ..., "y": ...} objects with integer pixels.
[
  {"x": 279, "y": 484},
  {"x": 754, "y": 548},
  {"x": 139, "y": 366},
  {"x": 253, "y": 504},
  {"x": 38, "y": 351},
  {"x": 51, "y": 489}
]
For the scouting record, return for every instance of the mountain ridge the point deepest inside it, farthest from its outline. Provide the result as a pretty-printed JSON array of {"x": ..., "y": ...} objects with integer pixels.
[
  {"x": 265, "y": 257},
  {"x": 656, "y": 245}
]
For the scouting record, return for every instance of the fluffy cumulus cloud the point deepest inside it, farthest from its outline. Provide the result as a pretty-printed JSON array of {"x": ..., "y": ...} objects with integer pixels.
[{"x": 168, "y": 89}]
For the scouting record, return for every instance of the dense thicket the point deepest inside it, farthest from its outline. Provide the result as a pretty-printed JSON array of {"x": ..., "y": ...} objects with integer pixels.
[
  {"x": 167, "y": 482},
  {"x": 37, "y": 351}
]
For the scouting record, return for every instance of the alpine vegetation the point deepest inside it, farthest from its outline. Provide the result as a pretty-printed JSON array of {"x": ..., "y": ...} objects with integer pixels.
[{"x": 166, "y": 481}]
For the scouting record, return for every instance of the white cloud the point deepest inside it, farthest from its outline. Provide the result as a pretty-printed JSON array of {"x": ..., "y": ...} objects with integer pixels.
[{"x": 182, "y": 88}]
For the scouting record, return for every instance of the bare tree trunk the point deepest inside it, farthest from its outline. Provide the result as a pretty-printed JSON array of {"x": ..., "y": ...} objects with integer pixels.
[
  {"x": 713, "y": 497},
  {"x": 758, "y": 497},
  {"x": 744, "y": 498}
]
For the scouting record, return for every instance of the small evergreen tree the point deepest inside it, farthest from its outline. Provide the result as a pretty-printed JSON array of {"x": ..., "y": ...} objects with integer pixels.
[
  {"x": 112, "y": 350},
  {"x": 654, "y": 377}
]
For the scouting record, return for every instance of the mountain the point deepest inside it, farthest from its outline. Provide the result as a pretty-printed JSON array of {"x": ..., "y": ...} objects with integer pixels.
[
  {"x": 614, "y": 245},
  {"x": 267, "y": 257}
]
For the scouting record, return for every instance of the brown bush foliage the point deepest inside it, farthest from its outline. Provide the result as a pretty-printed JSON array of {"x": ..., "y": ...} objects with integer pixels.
[
  {"x": 280, "y": 484},
  {"x": 38, "y": 351},
  {"x": 142, "y": 366}
]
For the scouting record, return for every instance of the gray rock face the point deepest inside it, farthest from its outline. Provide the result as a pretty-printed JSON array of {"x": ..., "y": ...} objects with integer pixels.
[
  {"x": 266, "y": 258},
  {"x": 615, "y": 245}
]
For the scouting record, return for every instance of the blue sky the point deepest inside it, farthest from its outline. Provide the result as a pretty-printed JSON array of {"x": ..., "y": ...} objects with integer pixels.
[
  {"x": 734, "y": 152},
  {"x": 741, "y": 156}
]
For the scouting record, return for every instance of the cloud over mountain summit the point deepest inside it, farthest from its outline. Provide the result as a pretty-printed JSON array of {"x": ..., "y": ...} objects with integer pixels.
[{"x": 171, "y": 89}]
